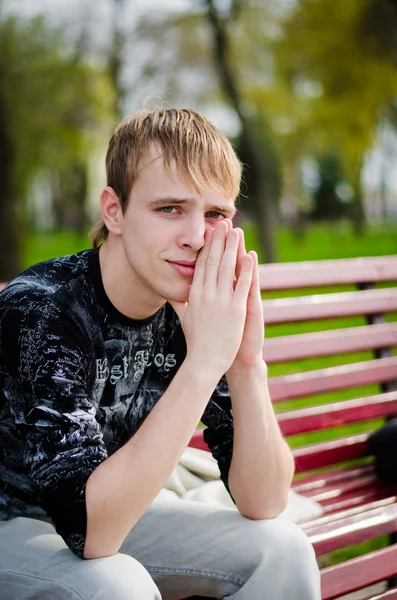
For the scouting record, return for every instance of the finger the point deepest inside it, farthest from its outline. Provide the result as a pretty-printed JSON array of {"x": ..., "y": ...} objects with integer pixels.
[
  {"x": 255, "y": 290},
  {"x": 228, "y": 223},
  {"x": 244, "y": 281},
  {"x": 215, "y": 255},
  {"x": 227, "y": 267},
  {"x": 241, "y": 251},
  {"x": 200, "y": 266}
]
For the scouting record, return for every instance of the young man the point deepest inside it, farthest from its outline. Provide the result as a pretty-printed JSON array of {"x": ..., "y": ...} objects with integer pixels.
[{"x": 108, "y": 360}]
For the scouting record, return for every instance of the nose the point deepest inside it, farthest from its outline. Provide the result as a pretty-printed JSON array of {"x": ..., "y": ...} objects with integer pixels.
[{"x": 192, "y": 232}]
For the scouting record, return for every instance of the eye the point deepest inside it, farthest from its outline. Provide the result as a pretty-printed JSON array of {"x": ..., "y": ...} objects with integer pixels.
[
  {"x": 167, "y": 209},
  {"x": 217, "y": 217}
]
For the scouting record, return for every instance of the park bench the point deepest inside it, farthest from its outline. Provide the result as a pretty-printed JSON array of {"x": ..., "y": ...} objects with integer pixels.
[{"x": 339, "y": 472}]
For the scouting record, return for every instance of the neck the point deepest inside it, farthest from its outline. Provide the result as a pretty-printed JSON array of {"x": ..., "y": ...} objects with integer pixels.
[{"x": 125, "y": 290}]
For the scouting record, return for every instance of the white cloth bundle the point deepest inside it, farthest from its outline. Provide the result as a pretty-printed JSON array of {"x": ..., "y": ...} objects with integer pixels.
[{"x": 196, "y": 477}]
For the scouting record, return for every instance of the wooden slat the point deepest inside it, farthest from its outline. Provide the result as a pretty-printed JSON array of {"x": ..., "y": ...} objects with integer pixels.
[
  {"x": 315, "y": 456},
  {"x": 327, "y": 306},
  {"x": 356, "y": 510},
  {"x": 389, "y": 595},
  {"x": 327, "y": 272},
  {"x": 335, "y": 476},
  {"x": 353, "y": 530},
  {"x": 330, "y": 342},
  {"x": 334, "y": 378},
  {"x": 358, "y": 498},
  {"x": 329, "y": 493},
  {"x": 338, "y": 413},
  {"x": 197, "y": 440},
  {"x": 360, "y": 572}
]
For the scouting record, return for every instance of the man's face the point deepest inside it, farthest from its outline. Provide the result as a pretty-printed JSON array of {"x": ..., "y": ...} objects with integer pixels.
[{"x": 163, "y": 228}]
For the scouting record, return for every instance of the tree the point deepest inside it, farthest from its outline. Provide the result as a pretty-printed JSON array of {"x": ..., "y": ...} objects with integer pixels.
[
  {"x": 330, "y": 56},
  {"x": 51, "y": 104},
  {"x": 213, "y": 50}
]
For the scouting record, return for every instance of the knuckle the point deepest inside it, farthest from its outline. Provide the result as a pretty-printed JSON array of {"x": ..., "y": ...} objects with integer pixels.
[
  {"x": 242, "y": 283},
  {"x": 207, "y": 297},
  {"x": 200, "y": 261},
  {"x": 211, "y": 261},
  {"x": 226, "y": 268}
]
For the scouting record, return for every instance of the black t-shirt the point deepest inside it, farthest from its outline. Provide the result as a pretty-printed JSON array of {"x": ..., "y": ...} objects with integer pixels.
[{"x": 77, "y": 379}]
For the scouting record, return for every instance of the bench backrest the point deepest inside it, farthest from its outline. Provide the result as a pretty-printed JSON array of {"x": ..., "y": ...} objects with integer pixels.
[
  {"x": 354, "y": 343},
  {"x": 357, "y": 349},
  {"x": 336, "y": 339}
]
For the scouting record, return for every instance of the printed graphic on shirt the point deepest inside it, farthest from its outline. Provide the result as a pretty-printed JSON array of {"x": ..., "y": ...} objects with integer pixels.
[{"x": 77, "y": 380}]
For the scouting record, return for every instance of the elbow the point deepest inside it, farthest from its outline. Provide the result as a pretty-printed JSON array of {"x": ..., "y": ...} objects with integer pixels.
[
  {"x": 91, "y": 552},
  {"x": 94, "y": 548},
  {"x": 269, "y": 509},
  {"x": 263, "y": 514}
]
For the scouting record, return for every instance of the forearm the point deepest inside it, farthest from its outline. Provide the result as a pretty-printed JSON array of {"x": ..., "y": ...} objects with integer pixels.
[
  {"x": 123, "y": 486},
  {"x": 262, "y": 466}
]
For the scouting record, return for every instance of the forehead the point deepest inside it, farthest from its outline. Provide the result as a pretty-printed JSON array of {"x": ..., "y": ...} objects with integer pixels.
[{"x": 156, "y": 183}]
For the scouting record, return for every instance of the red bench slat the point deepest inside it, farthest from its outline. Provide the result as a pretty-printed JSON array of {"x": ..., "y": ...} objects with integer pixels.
[
  {"x": 327, "y": 343},
  {"x": 285, "y": 387},
  {"x": 197, "y": 440},
  {"x": 338, "y": 413},
  {"x": 390, "y": 595},
  {"x": 330, "y": 492},
  {"x": 358, "y": 498},
  {"x": 327, "y": 272},
  {"x": 353, "y": 530},
  {"x": 355, "y": 510},
  {"x": 315, "y": 456},
  {"x": 358, "y": 573},
  {"x": 326, "y": 306},
  {"x": 314, "y": 482}
]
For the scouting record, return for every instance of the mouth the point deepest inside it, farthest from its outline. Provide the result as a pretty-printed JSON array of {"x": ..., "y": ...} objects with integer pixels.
[{"x": 184, "y": 268}]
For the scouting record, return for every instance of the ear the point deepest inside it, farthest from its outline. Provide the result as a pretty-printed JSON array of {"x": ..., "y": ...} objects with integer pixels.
[{"x": 111, "y": 210}]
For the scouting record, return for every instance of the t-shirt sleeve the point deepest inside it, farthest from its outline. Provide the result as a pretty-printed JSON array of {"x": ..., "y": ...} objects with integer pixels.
[
  {"x": 47, "y": 377},
  {"x": 218, "y": 435}
]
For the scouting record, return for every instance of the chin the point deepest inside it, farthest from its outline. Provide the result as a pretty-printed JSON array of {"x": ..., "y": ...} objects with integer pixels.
[{"x": 181, "y": 295}]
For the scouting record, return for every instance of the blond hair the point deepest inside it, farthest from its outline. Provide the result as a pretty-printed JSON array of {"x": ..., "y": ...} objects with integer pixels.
[{"x": 201, "y": 152}]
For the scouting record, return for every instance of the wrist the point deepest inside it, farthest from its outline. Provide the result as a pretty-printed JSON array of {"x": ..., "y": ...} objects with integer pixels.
[
  {"x": 203, "y": 370},
  {"x": 255, "y": 370}
]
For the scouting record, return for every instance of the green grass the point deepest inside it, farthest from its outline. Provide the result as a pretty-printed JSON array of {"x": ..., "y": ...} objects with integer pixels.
[
  {"x": 320, "y": 242},
  {"x": 43, "y": 246}
]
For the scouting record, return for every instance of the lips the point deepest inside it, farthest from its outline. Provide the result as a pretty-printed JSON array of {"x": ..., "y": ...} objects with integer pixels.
[{"x": 184, "y": 268}]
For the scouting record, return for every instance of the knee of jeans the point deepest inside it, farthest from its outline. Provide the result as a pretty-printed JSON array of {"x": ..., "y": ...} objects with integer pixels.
[
  {"x": 282, "y": 539},
  {"x": 118, "y": 577}
]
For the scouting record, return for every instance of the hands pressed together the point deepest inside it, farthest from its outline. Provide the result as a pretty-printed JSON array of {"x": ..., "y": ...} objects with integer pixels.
[{"x": 223, "y": 318}]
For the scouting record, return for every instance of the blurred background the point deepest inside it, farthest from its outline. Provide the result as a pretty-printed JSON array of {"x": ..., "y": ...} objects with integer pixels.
[{"x": 305, "y": 89}]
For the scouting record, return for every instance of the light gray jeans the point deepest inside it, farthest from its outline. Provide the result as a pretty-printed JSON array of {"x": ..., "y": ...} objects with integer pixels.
[{"x": 177, "y": 549}]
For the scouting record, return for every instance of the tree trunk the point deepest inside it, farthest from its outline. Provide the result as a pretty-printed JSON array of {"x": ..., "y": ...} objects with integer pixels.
[
  {"x": 115, "y": 58},
  {"x": 255, "y": 157},
  {"x": 9, "y": 238},
  {"x": 267, "y": 222},
  {"x": 357, "y": 212}
]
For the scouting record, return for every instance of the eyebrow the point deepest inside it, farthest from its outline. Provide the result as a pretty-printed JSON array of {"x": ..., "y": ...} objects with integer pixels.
[{"x": 158, "y": 202}]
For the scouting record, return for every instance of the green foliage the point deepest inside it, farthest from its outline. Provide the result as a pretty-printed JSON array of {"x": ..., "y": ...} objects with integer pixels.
[
  {"x": 54, "y": 100},
  {"x": 329, "y": 57}
]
